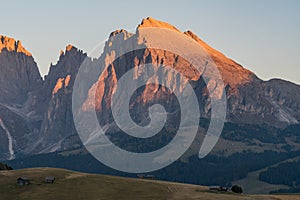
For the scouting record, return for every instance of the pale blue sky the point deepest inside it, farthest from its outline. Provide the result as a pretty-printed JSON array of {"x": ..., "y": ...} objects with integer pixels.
[{"x": 262, "y": 35}]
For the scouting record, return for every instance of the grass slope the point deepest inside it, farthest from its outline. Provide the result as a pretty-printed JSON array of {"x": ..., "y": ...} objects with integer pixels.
[{"x": 75, "y": 185}]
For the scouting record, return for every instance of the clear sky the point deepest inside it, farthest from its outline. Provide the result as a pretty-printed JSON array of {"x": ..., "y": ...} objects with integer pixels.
[{"x": 262, "y": 35}]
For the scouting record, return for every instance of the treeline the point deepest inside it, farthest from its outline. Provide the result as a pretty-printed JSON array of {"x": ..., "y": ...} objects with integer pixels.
[
  {"x": 5, "y": 167},
  {"x": 215, "y": 170},
  {"x": 212, "y": 170},
  {"x": 248, "y": 132},
  {"x": 285, "y": 173},
  {"x": 263, "y": 133},
  {"x": 283, "y": 191},
  {"x": 245, "y": 133}
]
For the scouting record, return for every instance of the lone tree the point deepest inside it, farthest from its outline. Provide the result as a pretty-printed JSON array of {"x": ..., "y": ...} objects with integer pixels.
[
  {"x": 237, "y": 189},
  {"x": 4, "y": 167}
]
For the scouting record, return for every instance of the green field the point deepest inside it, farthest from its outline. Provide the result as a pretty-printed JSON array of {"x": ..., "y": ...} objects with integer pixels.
[{"x": 75, "y": 185}]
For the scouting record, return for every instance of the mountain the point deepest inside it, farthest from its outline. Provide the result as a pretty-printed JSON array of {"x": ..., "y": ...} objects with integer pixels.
[
  {"x": 58, "y": 116},
  {"x": 250, "y": 99},
  {"x": 262, "y": 117},
  {"x": 251, "y": 102},
  {"x": 20, "y": 85}
]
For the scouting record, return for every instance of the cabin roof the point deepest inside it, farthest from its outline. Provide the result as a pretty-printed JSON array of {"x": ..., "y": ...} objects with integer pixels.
[{"x": 23, "y": 179}]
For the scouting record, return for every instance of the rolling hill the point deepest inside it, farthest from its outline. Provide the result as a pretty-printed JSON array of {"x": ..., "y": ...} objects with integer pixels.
[{"x": 74, "y": 185}]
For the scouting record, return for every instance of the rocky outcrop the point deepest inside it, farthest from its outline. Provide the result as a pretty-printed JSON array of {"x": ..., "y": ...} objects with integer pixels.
[
  {"x": 250, "y": 99},
  {"x": 10, "y": 44},
  {"x": 19, "y": 74},
  {"x": 58, "y": 123},
  {"x": 38, "y": 113},
  {"x": 20, "y": 108},
  {"x": 151, "y": 22}
]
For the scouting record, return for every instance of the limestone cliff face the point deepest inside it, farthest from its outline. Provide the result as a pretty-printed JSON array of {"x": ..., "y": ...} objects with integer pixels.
[
  {"x": 38, "y": 113},
  {"x": 19, "y": 74},
  {"x": 20, "y": 84},
  {"x": 250, "y": 99},
  {"x": 58, "y": 123},
  {"x": 10, "y": 44}
]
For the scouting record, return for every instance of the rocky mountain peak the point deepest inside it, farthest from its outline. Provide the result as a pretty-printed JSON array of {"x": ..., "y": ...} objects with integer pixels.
[
  {"x": 11, "y": 44},
  {"x": 47, "y": 103},
  {"x": 69, "y": 53},
  {"x": 151, "y": 22},
  {"x": 70, "y": 48},
  {"x": 68, "y": 63},
  {"x": 19, "y": 72},
  {"x": 233, "y": 73},
  {"x": 121, "y": 31}
]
